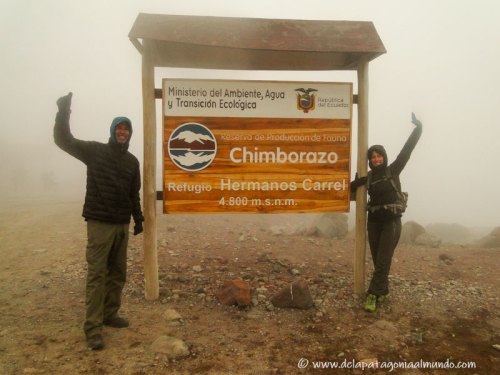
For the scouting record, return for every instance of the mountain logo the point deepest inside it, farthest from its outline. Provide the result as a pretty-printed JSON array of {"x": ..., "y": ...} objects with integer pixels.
[{"x": 192, "y": 147}]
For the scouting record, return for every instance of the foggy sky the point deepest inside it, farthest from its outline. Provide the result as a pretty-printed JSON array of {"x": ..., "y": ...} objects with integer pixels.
[{"x": 441, "y": 63}]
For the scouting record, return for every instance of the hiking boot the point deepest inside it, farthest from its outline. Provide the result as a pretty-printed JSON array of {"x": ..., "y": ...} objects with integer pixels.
[
  {"x": 382, "y": 298},
  {"x": 95, "y": 342},
  {"x": 117, "y": 322},
  {"x": 371, "y": 302}
]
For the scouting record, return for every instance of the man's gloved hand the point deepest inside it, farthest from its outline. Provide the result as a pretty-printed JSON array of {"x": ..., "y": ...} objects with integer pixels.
[
  {"x": 138, "y": 228},
  {"x": 64, "y": 104},
  {"x": 358, "y": 181},
  {"x": 415, "y": 121}
]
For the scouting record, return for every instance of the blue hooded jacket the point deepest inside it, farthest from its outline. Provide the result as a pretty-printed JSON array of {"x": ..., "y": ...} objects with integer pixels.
[{"x": 115, "y": 122}]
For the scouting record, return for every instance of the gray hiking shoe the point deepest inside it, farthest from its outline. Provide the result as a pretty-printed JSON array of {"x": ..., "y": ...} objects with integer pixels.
[
  {"x": 95, "y": 342},
  {"x": 117, "y": 322}
]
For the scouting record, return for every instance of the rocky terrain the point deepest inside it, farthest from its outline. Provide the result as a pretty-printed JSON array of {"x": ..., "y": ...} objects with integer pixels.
[{"x": 444, "y": 303}]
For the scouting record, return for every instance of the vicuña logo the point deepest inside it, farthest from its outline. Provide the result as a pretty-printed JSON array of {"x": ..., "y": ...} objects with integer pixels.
[{"x": 192, "y": 147}]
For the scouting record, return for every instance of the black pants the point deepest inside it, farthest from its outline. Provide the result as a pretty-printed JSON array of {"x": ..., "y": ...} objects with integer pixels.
[{"x": 383, "y": 238}]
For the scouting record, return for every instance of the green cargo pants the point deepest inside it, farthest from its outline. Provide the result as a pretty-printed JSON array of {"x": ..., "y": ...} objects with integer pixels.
[{"x": 106, "y": 272}]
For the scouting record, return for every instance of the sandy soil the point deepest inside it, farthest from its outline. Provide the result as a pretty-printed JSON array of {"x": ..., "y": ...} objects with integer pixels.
[{"x": 440, "y": 308}]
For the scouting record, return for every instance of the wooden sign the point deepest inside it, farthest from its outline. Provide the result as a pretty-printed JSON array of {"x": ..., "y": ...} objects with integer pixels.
[{"x": 256, "y": 147}]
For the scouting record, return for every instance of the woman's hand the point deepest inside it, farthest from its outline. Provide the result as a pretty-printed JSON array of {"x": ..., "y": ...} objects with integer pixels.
[{"x": 415, "y": 121}]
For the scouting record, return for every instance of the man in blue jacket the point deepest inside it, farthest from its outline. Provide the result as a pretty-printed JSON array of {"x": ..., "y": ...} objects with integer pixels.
[{"x": 112, "y": 197}]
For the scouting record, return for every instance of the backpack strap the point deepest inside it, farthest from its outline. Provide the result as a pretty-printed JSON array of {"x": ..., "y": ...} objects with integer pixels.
[
  {"x": 389, "y": 177},
  {"x": 368, "y": 180}
]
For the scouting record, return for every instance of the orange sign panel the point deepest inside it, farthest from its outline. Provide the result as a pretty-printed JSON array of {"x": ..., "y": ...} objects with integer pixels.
[{"x": 256, "y": 147}]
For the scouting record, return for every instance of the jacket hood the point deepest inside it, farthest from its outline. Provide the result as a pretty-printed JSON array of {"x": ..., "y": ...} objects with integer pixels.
[
  {"x": 381, "y": 151},
  {"x": 115, "y": 122}
]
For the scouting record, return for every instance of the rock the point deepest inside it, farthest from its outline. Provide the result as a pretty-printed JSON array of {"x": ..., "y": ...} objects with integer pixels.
[
  {"x": 445, "y": 257},
  {"x": 166, "y": 292},
  {"x": 235, "y": 292},
  {"x": 330, "y": 226},
  {"x": 184, "y": 278},
  {"x": 492, "y": 240},
  {"x": 261, "y": 298},
  {"x": 197, "y": 269},
  {"x": 296, "y": 230},
  {"x": 171, "y": 346},
  {"x": 32, "y": 370},
  {"x": 276, "y": 230},
  {"x": 172, "y": 317},
  {"x": 409, "y": 233},
  {"x": 496, "y": 346},
  {"x": 263, "y": 258},
  {"x": 426, "y": 239},
  {"x": 384, "y": 326},
  {"x": 242, "y": 238},
  {"x": 294, "y": 272},
  {"x": 296, "y": 295},
  {"x": 255, "y": 302}
]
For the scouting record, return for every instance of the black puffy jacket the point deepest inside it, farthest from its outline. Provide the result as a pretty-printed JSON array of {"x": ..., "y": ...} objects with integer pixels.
[{"x": 113, "y": 175}]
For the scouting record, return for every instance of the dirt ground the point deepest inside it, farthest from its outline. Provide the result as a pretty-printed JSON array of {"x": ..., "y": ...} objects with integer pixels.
[{"x": 444, "y": 303}]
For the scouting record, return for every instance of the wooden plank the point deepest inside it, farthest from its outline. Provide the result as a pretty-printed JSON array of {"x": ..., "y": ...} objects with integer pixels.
[
  {"x": 149, "y": 185},
  {"x": 259, "y": 33},
  {"x": 360, "y": 244},
  {"x": 313, "y": 187}
]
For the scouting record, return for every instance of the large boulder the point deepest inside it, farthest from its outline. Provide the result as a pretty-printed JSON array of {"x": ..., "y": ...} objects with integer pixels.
[
  {"x": 448, "y": 232},
  {"x": 425, "y": 239},
  {"x": 492, "y": 240},
  {"x": 409, "y": 233},
  {"x": 329, "y": 226}
]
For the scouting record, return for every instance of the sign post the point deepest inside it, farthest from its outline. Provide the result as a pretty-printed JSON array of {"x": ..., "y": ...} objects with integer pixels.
[{"x": 256, "y": 146}]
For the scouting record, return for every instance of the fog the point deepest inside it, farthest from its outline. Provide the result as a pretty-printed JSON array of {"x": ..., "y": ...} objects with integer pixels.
[{"x": 441, "y": 63}]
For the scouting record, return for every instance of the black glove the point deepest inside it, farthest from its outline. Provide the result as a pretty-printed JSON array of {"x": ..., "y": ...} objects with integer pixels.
[
  {"x": 358, "y": 181},
  {"x": 138, "y": 228},
  {"x": 64, "y": 104},
  {"x": 415, "y": 121}
]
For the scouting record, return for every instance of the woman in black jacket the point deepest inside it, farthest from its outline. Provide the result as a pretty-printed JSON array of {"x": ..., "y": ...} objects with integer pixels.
[{"x": 385, "y": 209}]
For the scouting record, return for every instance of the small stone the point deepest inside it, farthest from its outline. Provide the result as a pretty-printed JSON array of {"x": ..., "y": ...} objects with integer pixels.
[
  {"x": 496, "y": 346},
  {"x": 255, "y": 302},
  {"x": 296, "y": 295},
  {"x": 270, "y": 307},
  {"x": 184, "y": 278},
  {"x": 172, "y": 317},
  {"x": 261, "y": 298},
  {"x": 276, "y": 230},
  {"x": 294, "y": 272},
  {"x": 235, "y": 292},
  {"x": 171, "y": 346},
  {"x": 197, "y": 269}
]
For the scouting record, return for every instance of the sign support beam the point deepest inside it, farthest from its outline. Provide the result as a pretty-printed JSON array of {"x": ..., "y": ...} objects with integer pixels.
[
  {"x": 360, "y": 244},
  {"x": 149, "y": 188}
]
